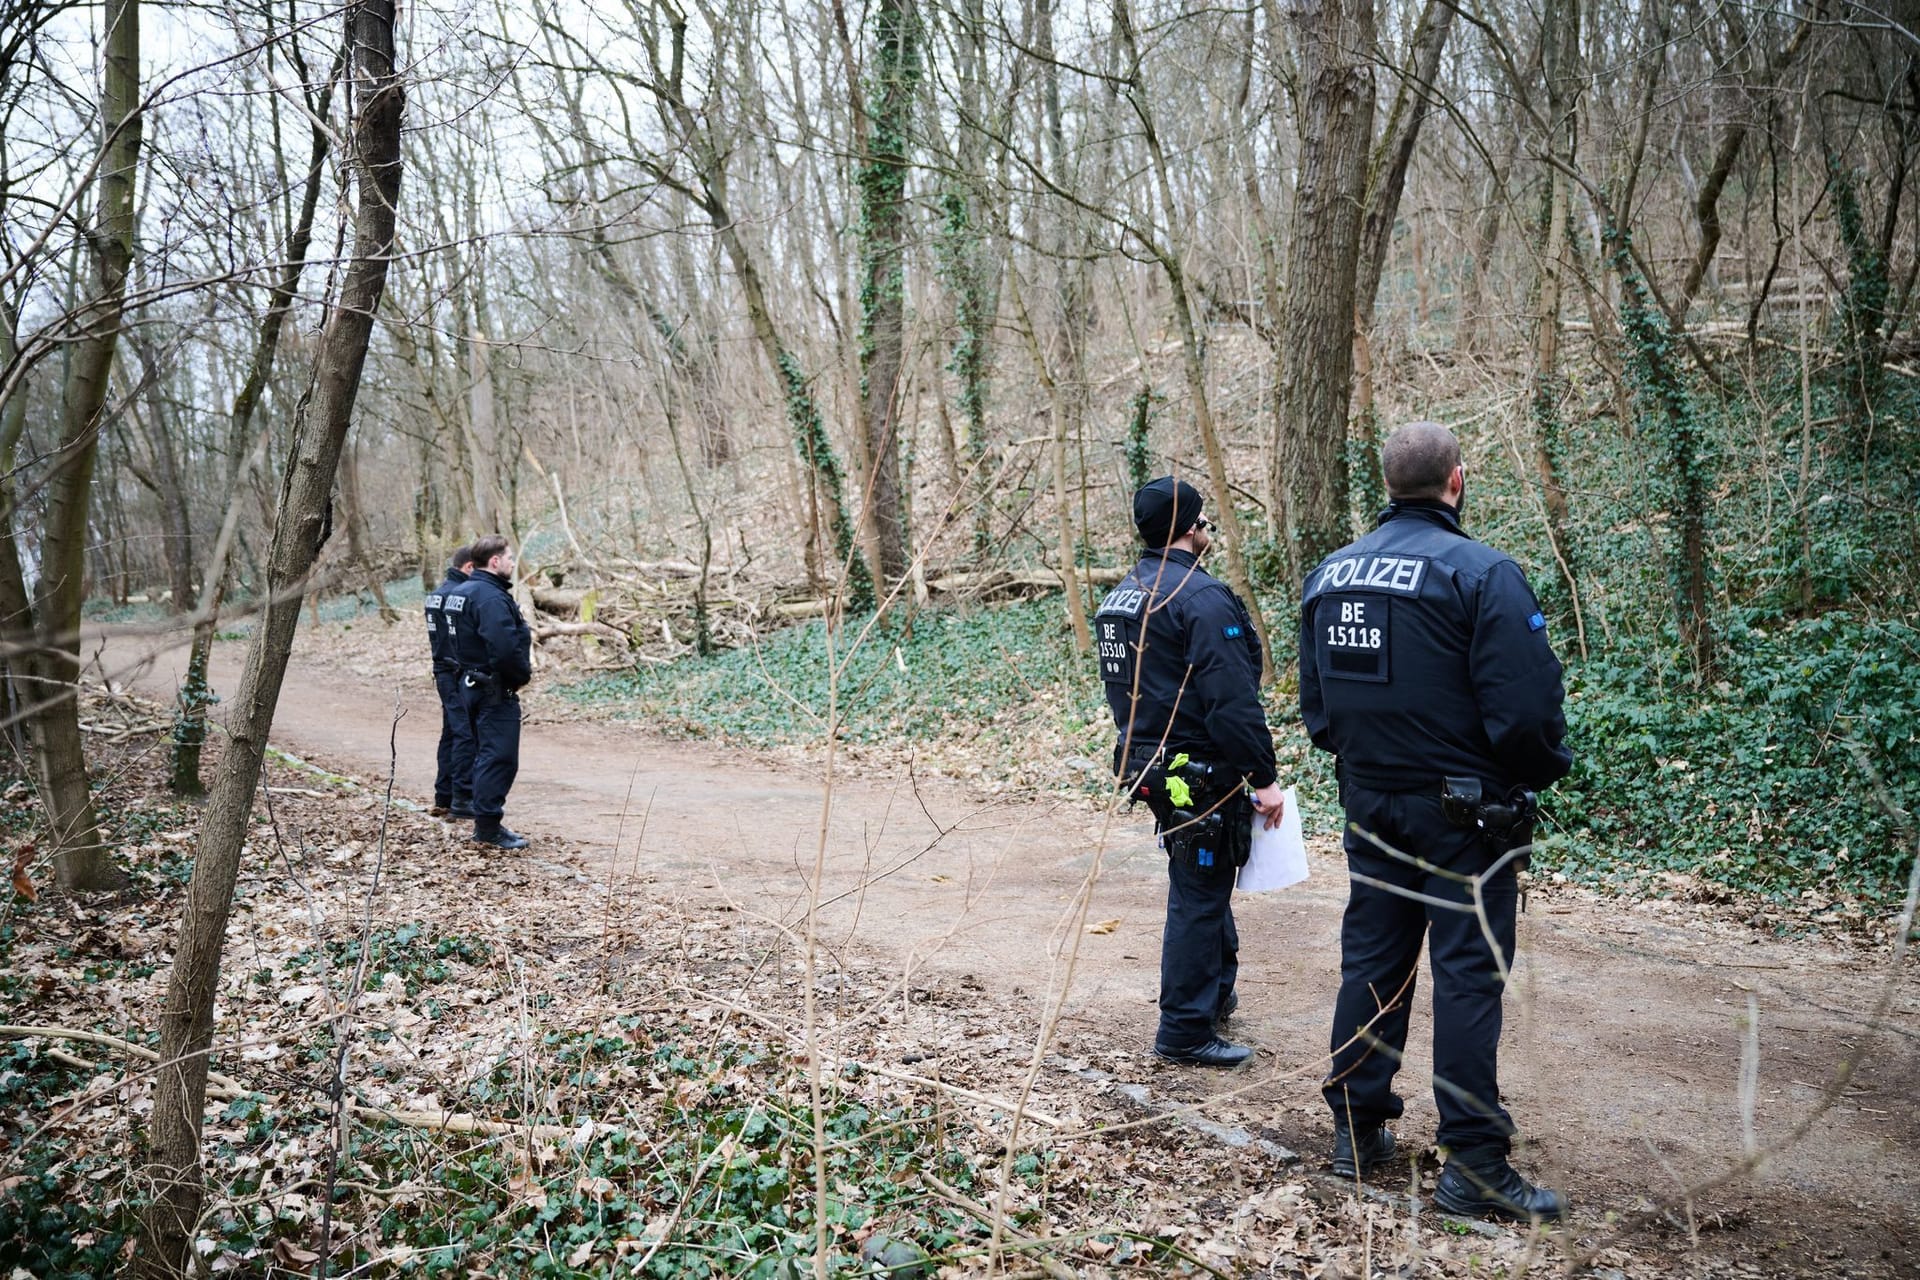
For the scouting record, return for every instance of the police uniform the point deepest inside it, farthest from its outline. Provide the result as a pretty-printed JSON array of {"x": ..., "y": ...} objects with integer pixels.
[
  {"x": 495, "y": 651},
  {"x": 453, "y": 773},
  {"x": 1181, "y": 665},
  {"x": 1424, "y": 657}
]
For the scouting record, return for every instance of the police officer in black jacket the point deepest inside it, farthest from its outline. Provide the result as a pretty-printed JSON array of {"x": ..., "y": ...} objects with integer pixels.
[
  {"x": 495, "y": 650},
  {"x": 1181, "y": 666},
  {"x": 453, "y": 774},
  {"x": 1425, "y": 669}
]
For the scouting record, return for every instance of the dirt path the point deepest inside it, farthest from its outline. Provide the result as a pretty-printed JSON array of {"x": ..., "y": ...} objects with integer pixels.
[{"x": 1623, "y": 1052}]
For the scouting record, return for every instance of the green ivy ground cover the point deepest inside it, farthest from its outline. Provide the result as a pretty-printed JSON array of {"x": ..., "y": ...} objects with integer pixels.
[{"x": 1764, "y": 781}]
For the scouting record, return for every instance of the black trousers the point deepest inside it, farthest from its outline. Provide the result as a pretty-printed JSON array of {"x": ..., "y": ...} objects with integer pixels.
[
  {"x": 453, "y": 778},
  {"x": 1199, "y": 952},
  {"x": 494, "y": 720},
  {"x": 1379, "y": 958}
]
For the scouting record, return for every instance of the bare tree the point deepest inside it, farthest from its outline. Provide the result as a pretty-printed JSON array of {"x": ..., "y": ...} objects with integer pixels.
[
  {"x": 81, "y": 858},
  {"x": 300, "y": 531}
]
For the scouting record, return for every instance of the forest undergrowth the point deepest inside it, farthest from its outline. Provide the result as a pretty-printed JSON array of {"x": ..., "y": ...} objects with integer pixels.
[
  {"x": 1785, "y": 772},
  {"x": 525, "y": 1089}
]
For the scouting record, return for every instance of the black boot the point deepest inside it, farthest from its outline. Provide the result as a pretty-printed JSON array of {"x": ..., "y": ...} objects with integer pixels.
[
  {"x": 490, "y": 831},
  {"x": 1211, "y": 1053},
  {"x": 1360, "y": 1149},
  {"x": 1227, "y": 1007},
  {"x": 1481, "y": 1184}
]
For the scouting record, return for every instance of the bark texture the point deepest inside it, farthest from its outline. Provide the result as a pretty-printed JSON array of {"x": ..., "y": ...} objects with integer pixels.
[
  {"x": 1335, "y": 38},
  {"x": 883, "y": 213}
]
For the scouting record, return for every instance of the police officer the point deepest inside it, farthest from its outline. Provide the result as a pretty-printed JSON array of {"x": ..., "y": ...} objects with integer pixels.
[
  {"x": 1181, "y": 665},
  {"x": 495, "y": 651},
  {"x": 1425, "y": 669},
  {"x": 453, "y": 775}
]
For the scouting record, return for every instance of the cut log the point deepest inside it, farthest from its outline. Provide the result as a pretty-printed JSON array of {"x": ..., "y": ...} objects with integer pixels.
[
  {"x": 561, "y": 604},
  {"x": 986, "y": 580},
  {"x": 543, "y": 634}
]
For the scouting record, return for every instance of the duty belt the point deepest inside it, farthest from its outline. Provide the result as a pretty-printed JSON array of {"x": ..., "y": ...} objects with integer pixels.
[{"x": 1391, "y": 783}]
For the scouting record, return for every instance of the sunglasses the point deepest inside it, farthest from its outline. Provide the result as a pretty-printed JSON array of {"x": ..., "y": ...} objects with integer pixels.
[{"x": 1204, "y": 524}]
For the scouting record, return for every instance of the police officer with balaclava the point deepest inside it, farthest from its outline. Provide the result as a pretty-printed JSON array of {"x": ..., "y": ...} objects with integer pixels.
[
  {"x": 1181, "y": 666},
  {"x": 453, "y": 772},
  {"x": 495, "y": 650},
  {"x": 1425, "y": 669}
]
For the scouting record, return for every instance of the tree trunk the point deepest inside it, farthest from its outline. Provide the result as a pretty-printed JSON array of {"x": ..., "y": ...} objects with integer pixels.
[
  {"x": 358, "y": 538},
  {"x": 1387, "y": 172},
  {"x": 16, "y": 607},
  {"x": 1335, "y": 40},
  {"x": 1706, "y": 205},
  {"x": 482, "y": 426},
  {"x": 709, "y": 192},
  {"x": 190, "y": 725},
  {"x": 1066, "y": 345},
  {"x": 186, "y": 1020},
  {"x": 81, "y": 860},
  {"x": 1386, "y": 180},
  {"x": 1192, "y": 355},
  {"x": 1560, "y": 43},
  {"x": 968, "y": 263},
  {"x": 1473, "y": 329},
  {"x": 1684, "y": 481},
  {"x": 168, "y": 490},
  {"x": 883, "y": 232}
]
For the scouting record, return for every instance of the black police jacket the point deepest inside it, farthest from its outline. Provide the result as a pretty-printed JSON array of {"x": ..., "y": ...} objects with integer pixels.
[
  {"x": 1181, "y": 665},
  {"x": 439, "y": 632},
  {"x": 490, "y": 636},
  {"x": 1424, "y": 655}
]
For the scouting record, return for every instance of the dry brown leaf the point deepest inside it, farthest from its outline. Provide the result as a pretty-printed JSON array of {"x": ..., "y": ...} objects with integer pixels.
[
  {"x": 22, "y": 882},
  {"x": 292, "y": 1254},
  {"x": 1105, "y": 926}
]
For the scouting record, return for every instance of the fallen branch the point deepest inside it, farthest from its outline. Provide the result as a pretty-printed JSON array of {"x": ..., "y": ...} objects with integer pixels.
[
  {"x": 120, "y": 733},
  {"x": 111, "y": 1042},
  {"x": 798, "y": 609},
  {"x": 545, "y": 633},
  {"x": 1005, "y": 579},
  {"x": 960, "y": 1200},
  {"x": 462, "y": 1123},
  {"x": 225, "y": 1089},
  {"x": 838, "y": 1064}
]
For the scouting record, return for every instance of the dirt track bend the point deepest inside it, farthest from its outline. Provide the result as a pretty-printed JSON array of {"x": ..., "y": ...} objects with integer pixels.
[{"x": 1622, "y": 1053}]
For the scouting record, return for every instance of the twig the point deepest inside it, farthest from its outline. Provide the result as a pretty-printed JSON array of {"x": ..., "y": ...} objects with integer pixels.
[
  {"x": 224, "y": 1089},
  {"x": 225, "y": 1083},
  {"x": 343, "y": 1021},
  {"x": 959, "y": 1199},
  {"x": 839, "y": 1064},
  {"x": 693, "y": 1183}
]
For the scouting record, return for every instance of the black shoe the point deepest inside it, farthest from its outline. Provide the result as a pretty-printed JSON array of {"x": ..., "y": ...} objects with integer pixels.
[
  {"x": 1361, "y": 1149},
  {"x": 1226, "y": 1009},
  {"x": 1494, "y": 1189},
  {"x": 501, "y": 838},
  {"x": 460, "y": 813},
  {"x": 1213, "y": 1053}
]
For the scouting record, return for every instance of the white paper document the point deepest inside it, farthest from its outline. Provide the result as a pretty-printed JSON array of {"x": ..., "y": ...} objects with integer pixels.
[{"x": 1279, "y": 856}]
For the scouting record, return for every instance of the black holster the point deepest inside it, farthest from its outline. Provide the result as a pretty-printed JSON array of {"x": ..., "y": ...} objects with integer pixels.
[
  {"x": 483, "y": 683},
  {"x": 1505, "y": 823},
  {"x": 1217, "y": 833}
]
